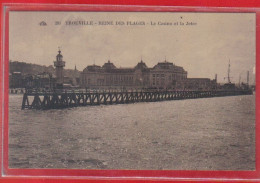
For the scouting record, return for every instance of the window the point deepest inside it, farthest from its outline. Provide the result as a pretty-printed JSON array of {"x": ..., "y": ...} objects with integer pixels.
[{"x": 162, "y": 81}]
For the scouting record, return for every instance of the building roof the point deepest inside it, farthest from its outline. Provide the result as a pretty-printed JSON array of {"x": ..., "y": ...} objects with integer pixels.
[
  {"x": 141, "y": 65},
  {"x": 109, "y": 65},
  {"x": 93, "y": 68},
  {"x": 168, "y": 66},
  {"x": 121, "y": 70}
]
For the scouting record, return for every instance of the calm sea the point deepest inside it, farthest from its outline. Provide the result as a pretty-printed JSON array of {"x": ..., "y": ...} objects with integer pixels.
[{"x": 195, "y": 134}]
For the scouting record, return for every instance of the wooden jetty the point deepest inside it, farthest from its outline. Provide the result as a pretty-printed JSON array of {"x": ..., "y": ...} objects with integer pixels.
[{"x": 34, "y": 99}]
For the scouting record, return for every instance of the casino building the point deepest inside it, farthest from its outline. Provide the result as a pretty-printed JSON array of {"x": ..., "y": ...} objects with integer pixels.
[{"x": 164, "y": 75}]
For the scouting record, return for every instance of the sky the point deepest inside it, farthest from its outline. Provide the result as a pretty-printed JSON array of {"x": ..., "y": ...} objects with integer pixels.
[{"x": 202, "y": 48}]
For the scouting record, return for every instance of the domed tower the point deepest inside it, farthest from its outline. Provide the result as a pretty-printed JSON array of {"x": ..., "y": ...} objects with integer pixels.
[{"x": 59, "y": 64}]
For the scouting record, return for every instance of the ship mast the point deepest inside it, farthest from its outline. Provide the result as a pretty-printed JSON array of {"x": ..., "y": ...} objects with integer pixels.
[
  {"x": 247, "y": 79},
  {"x": 239, "y": 80},
  {"x": 229, "y": 71}
]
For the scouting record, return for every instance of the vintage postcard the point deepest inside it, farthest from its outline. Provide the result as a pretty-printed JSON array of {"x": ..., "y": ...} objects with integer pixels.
[{"x": 132, "y": 90}]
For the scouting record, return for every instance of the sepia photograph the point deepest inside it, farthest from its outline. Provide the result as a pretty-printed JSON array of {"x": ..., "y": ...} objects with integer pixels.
[{"x": 132, "y": 90}]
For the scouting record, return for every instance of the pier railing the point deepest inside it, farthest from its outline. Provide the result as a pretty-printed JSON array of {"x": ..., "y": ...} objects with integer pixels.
[{"x": 53, "y": 99}]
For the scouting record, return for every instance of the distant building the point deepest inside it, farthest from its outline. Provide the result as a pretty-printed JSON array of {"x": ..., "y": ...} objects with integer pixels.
[
  {"x": 167, "y": 75},
  {"x": 76, "y": 77},
  {"x": 200, "y": 84},
  {"x": 162, "y": 75},
  {"x": 107, "y": 76},
  {"x": 41, "y": 80}
]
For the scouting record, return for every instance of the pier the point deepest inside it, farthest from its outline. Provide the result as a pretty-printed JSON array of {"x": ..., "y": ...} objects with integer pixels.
[{"x": 34, "y": 99}]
